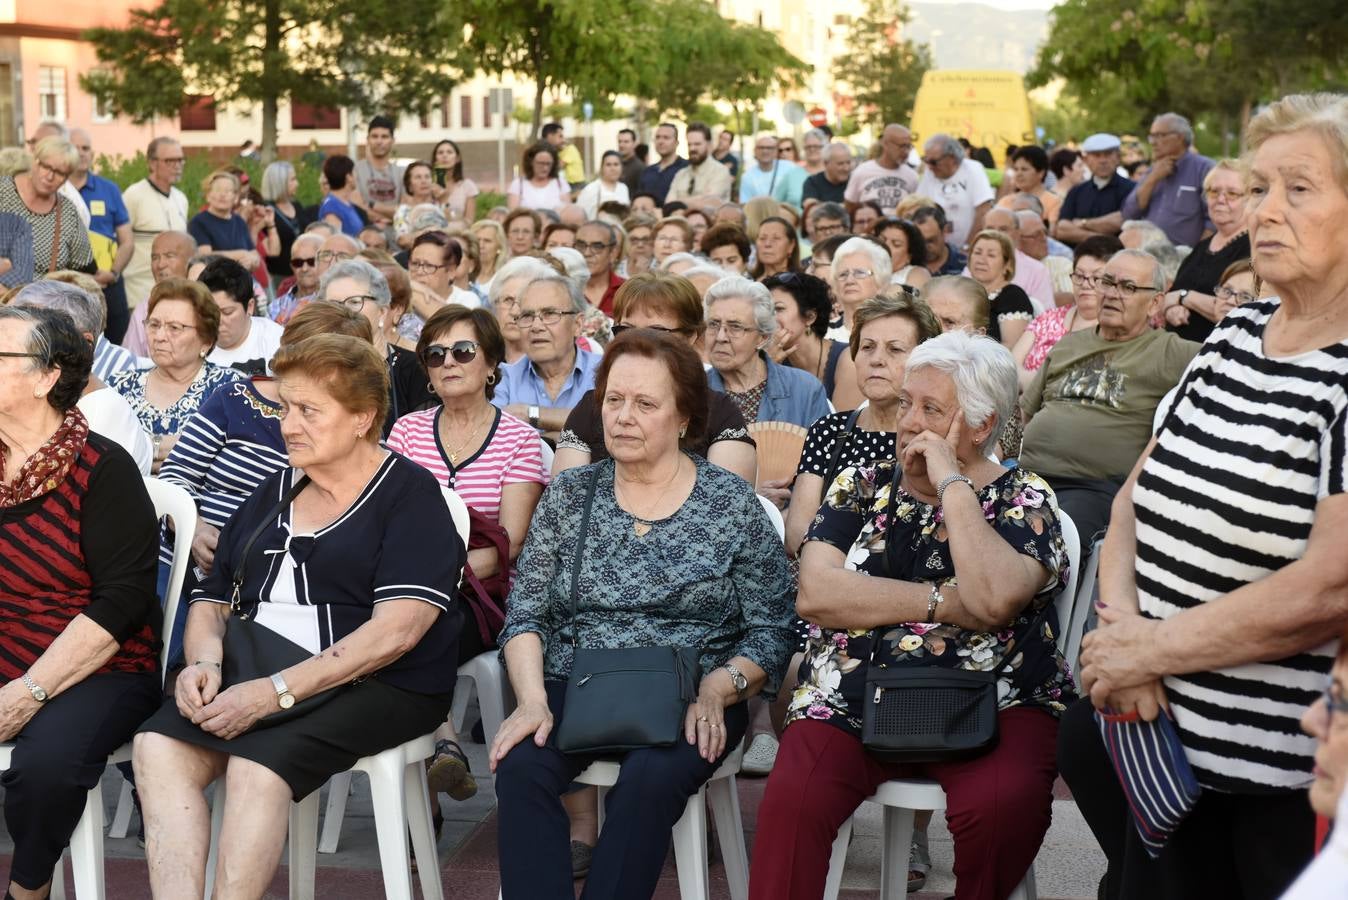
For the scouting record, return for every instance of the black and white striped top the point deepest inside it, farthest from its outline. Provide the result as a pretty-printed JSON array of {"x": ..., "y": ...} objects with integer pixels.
[{"x": 1249, "y": 447}]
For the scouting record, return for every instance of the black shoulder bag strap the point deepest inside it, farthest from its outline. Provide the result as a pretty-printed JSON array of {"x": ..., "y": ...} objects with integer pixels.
[
  {"x": 839, "y": 445},
  {"x": 580, "y": 552},
  {"x": 235, "y": 603}
]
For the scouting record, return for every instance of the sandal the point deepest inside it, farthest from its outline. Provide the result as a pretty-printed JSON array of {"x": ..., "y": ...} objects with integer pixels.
[
  {"x": 448, "y": 772},
  {"x": 581, "y": 854},
  {"x": 919, "y": 862}
]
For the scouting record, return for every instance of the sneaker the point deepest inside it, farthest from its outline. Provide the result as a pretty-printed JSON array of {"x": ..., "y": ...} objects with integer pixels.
[
  {"x": 581, "y": 854},
  {"x": 448, "y": 772},
  {"x": 760, "y": 756}
]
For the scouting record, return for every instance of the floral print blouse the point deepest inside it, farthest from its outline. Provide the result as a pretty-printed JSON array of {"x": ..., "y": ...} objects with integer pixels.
[
  {"x": 162, "y": 422},
  {"x": 712, "y": 575},
  {"x": 854, "y": 517}
]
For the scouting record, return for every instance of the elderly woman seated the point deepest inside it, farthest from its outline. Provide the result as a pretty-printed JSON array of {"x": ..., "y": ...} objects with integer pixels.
[
  {"x": 677, "y": 551},
  {"x": 345, "y": 563},
  {"x": 892, "y": 576},
  {"x": 78, "y": 616}
]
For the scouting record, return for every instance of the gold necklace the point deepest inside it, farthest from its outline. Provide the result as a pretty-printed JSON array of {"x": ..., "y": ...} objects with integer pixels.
[{"x": 454, "y": 454}]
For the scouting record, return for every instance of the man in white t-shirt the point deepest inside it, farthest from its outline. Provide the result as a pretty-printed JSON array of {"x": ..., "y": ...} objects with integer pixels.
[
  {"x": 960, "y": 185},
  {"x": 378, "y": 178},
  {"x": 154, "y": 206},
  {"x": 887, "y": 179},
  {"x": 247, "y": 342}
]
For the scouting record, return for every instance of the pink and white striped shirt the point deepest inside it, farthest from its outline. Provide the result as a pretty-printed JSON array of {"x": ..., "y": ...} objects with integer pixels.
[{"x": 510, "y": 455}]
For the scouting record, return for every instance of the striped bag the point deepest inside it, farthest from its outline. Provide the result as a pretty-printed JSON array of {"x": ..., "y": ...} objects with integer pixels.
[{"x": 1153, "y": 772}]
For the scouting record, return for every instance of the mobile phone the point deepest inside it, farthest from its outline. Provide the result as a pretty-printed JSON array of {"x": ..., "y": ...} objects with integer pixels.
[{"x": 440, "y": 173}]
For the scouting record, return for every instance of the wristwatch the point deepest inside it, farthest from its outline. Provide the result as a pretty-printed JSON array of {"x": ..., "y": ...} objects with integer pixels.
[
  {"x": 284, "y": 699},
  {"x": 737, "y": 677},
  {"x": 38, "y": 693},
  {"x": 934, "y": 601},
  {"x": 1184, "y": 292},
  {"x": 533, "y": 415}
]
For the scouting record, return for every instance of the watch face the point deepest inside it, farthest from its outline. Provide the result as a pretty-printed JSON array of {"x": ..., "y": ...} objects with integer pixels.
[
  {"x": 286, "y": 700},
  {"x": 39, "y": 695}
]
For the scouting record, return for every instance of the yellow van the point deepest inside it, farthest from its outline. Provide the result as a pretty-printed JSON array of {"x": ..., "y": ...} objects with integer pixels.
[{"x": 989, "y": 109}]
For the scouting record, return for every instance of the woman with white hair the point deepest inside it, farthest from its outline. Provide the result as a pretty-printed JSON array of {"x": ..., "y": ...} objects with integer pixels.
[
  {"x": 59, "y": 238},
  {"x": 878, "y": 586},
  {"x": 504, "y": 295},
  {"x": 862, "y": 268}
]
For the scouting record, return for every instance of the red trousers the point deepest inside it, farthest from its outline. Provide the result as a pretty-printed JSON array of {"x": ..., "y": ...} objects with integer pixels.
[{"x": 998, "y": 806}]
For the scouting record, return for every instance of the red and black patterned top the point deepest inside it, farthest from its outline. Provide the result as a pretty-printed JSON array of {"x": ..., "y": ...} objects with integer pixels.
[{"x": 89, "y": 547}]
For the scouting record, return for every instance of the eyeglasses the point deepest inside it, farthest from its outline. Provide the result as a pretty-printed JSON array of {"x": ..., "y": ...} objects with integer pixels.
[
  {"x": 1081, "y": 279},
  {"x": 331, "y": 255},
  {"x": 853, "y": 274},
  {"x": 1110, "y": 283},
  {"x": 1230, "y": 294},
  {"x": 174, "y": 329},
  {"x": 356, "y": 302},
  {"x": 13, "y": 355},
  {"x": 171, "y": 160},
  {"x": 631, "y": 239},
  {"x": 546, "y": 316},
  {"x": 669, "y": 239},
  {"x": 424, "y": 267},
  {"x": 828, "y": 229},
  {"x": 1157, "y": 135},
  {"x": 1228, "y": 196},
  {"x": 53, "y": 171},
  {"x": 735, "y": 330},
  {"x": 933, "y": 160},
  {"x": 592, "y": 247},
  {"x": 300, "y": 262},
  {"x": 619, "y": 329},
  {"x": 462, "y": 352},
  {"x": 1333, "y": 704},
  {"x": 815, "y": 267}
]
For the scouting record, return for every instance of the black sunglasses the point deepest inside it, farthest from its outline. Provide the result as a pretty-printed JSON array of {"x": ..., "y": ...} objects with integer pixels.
[
  {"x": 300, "y": 262},
  {"x": 463, "y": 352}
]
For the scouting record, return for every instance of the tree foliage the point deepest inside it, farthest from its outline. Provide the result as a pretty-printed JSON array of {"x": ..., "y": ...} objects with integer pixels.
[
  {"x": 364, "y": 54},
  {"x": 883, "y": 69}
]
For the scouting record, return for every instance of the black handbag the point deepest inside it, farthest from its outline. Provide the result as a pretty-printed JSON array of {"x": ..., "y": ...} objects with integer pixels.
[
  {"x": 251, "y": 649},
  {"x": 625, "y": 699},
  {"x": 927, "y": 714}
]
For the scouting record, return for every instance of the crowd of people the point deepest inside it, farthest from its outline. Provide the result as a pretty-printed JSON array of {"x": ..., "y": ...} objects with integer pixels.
[{"x": 605, "y": 372}]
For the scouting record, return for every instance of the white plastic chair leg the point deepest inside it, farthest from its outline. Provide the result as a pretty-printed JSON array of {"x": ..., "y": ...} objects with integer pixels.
[
  {"x": 416, "y": 797},
  {"x": 895, "y": 856},
  {"x": 339, "y": 789},
  {"x": 725, "y": 811},
  {"x": 121, "y": 819},
  {"x": 303, "y": 848},
  {"x": 690, "y": 849},
  {"x": 390, "y": 820},
  {"x": 86, "y": 848},
  {"x": 490, "y": 703},
  {"x": 217, "y": 821},
  {"x": 1027, "y": 889},
  {"x": 837, "y": 861},
  {"x": 463, "y": 691},
  {"x": 58, "y": 880}
]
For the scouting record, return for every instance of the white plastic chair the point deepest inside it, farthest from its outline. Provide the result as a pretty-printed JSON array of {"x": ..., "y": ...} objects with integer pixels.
[
  {"x": 548, "y": 455},
  {"x": 339, "y": 785},
  {"x": 901, "y": 797},
  {"x": 86, "y": 844},
  {"x": 690, "y": 832},
  {"x": 774, "y": 515}
]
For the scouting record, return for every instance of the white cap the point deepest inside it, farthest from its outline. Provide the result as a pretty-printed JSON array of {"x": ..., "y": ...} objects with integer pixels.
[{"x": 1100, "y": 143}]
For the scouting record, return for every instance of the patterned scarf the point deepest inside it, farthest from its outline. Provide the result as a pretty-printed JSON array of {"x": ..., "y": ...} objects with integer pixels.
[{"x": 47, "y": 467}]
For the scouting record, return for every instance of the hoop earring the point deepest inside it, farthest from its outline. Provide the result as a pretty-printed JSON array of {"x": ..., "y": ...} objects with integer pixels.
[
  {"x": 430, "y": 386},
  {"x": 491, "y": 379}
]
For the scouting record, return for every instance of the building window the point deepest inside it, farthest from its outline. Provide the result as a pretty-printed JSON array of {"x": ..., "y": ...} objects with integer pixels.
[
  {"x": 198, "y": 112},
  {"x": 51, "y": 92},
  {"x": 465, "y": 111},
  {"x": 486, "y": 111},
  {"x": 308, "y": 117}
]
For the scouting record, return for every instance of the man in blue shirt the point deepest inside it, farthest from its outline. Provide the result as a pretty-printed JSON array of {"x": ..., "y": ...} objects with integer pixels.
[
  {"x": 943, "y": 258},
  {"x": 1092, "y": 207},
  {"x": 657, "y": 178},
  {"x": 110, "y": 234},
  {"x": 780, "y": 179},
  {"x": 1171, "y": 196},
  {"x": 543, "y": 387}
]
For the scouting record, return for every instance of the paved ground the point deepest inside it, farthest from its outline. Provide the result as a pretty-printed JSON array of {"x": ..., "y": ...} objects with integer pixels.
[{"x": 1068, "y": 868}]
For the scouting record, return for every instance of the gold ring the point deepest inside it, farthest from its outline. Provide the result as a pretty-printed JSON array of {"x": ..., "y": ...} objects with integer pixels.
[{"x": 703, "y": 719}]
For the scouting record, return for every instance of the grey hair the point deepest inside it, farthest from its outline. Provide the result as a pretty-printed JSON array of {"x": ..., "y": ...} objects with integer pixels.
[
  {"x": 1029, "y": 200},
  {"x": 882, "y": 264},
  {"x": 530, "y": 267},
  {"x": 1028, "y": 215},
  {"x": 736, "y": 207},
  {"x": 355, "y": 245},
  {"x": 733, "y": 287},
  {"x": 827, "y": 210},
  {"x": 600, "y": 223},
  {"x": 308, "y": 237},
  {"x": 1152, "y": 230},
  {"x": 984, "y": 373},
  {"x": 1157, "y": 255},
  {"x": 828, "y": 148},
  {"x": 362, "y": 271},
  {"x": 816, "y": 133},
  {"x": 86, "y": 311},
  {"x": 1179, "y": 124},
  {"x": 39, "y": 342},
  {"x": 275, "y": 180},
  {"x": 576, "y": 268},
  {"x": 675, "y": 258},
  {"x": 704, "y": 269},
  {"x": 573, "y": 290},
  {"x": 948, "y": 146}
]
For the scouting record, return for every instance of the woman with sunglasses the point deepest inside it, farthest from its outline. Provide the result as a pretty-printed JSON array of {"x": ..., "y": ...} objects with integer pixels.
[
  {"x": 670, "y": 304},
  {"x": 487, "y": 456}
]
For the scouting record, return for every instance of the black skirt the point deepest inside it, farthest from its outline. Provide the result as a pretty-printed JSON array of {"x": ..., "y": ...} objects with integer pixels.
[{"x": 362, "y": 720}]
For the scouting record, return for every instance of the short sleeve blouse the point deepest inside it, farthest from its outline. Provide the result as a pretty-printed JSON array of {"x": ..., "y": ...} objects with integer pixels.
[
  {"x": 1048, "y": 328},
  {"x": 1010, "y": 304},
  {"x": 584, "y": 429},
  {"x": 160, "y": 422},
  {"x": 1020, "y": 507},
  {"x": 859, "y": 447},
  {"x": 549, "y": 196},
  {"x": 395, "y": 542}
]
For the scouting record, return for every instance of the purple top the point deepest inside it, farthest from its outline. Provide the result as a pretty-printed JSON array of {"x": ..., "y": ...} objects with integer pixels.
[{"x": 1177, "y": 204}]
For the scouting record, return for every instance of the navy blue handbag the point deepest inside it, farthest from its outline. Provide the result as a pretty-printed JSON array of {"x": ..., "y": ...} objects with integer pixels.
[{"x": 1153, "y": 772}]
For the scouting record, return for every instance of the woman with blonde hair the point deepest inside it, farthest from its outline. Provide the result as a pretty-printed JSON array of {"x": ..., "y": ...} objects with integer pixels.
[
  {"x": 756, "y": 212},
  {"x": 492, "y": 252},
  {"x": 992, "y": 263}
]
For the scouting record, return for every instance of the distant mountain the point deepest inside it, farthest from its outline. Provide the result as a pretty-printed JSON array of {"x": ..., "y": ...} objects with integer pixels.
[{"x": 977, "y": 36}]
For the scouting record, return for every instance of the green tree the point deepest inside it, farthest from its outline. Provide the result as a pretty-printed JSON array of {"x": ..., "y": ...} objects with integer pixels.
[
  {"x": 363, "y": 54},
  {"x": 883, "y": 69}
]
